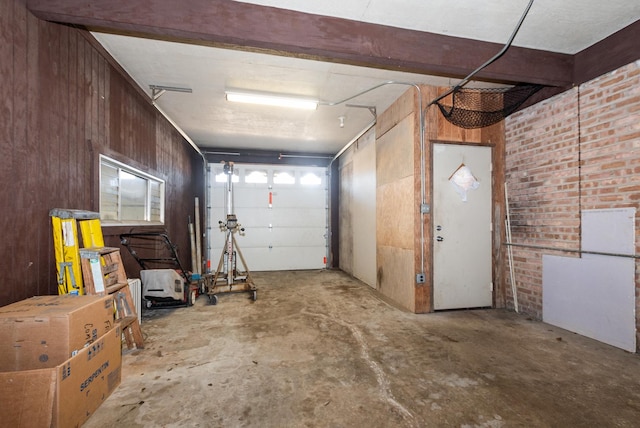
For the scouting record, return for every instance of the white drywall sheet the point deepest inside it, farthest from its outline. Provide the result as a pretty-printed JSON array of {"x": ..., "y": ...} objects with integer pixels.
[
  {"x": 610, "y": 231},
  {"x": 364, "y": 211},
  {"x": 595, "y": 295}
]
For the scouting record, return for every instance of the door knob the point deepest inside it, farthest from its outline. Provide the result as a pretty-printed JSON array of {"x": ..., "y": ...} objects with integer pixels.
[{"x": 439, "y": 238}]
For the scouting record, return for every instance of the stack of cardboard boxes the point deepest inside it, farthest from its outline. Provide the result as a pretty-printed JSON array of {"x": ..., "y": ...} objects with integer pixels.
[{"x": 60, "y": 358}]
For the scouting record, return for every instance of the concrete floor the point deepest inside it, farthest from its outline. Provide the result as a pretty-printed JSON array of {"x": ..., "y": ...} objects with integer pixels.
[{"x": 319, "y": 349}]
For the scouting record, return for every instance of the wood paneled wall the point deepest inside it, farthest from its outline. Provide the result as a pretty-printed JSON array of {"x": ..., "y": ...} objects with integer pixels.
[
  {"x": 399, "y": 183},
  {"x": 64, "y": 102}
]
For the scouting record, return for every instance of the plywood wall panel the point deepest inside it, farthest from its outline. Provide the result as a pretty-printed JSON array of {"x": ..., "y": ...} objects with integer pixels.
[
  {"x": 395, "y": 214},
  {"x": 395, "y": 275},
  {"x": 345, "y": 208},
  {"x": 364, "y": 203},
  {"x": 394, "y": 152},
  {"x": 395, "y": 200},
  {"x": 401, "y": 108}
]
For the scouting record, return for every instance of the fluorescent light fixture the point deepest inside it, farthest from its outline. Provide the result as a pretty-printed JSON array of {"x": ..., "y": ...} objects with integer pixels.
[{"x": 271, "y": 100}]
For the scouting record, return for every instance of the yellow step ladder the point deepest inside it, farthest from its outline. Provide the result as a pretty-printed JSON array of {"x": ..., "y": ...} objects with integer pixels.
[{"x": 66, "y": 245}]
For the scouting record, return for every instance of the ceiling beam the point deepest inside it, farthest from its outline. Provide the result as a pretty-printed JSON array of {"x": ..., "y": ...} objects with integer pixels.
[
  {"x": 285, "y": 32},
  {"x": 617, "y": 50}
]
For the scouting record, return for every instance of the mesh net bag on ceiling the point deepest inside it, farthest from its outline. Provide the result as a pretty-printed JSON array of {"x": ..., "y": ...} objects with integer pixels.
[{"x": 477, "y": 108}]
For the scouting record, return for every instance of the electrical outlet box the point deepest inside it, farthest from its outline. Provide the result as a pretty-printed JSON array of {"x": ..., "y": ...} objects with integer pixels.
[{"x": 420, "y": 278}]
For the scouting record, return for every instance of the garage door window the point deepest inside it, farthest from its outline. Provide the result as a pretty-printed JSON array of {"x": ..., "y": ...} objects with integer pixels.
[
  {"x": 222, "y": 177},
  {"x": 311, "y": 179},
  {"x": 283, "y": 177},
  {"x": 256, "y": 177}
]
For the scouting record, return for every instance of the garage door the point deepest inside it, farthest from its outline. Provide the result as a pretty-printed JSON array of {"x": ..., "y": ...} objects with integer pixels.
[{"x": 283, "y": 210}]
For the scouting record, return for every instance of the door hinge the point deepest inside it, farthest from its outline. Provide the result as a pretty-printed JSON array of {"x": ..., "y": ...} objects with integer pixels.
[{"x": 491, "y": 286}]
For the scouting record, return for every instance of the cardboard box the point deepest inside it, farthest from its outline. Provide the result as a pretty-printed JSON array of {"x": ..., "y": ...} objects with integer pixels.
[
  {"x": 43, "y": 331},
  {"x": 65, "y": 395}
]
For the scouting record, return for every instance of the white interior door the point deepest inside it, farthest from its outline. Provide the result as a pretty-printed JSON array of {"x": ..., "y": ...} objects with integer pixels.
[
  {"x": 462, "y": 274},
  {"x": 283, "y": 210}
]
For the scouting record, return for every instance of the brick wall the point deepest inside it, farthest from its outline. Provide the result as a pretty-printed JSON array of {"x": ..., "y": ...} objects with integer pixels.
[
  {"x": 542, "y": 180},
  {"x": 576, "y": 151}
]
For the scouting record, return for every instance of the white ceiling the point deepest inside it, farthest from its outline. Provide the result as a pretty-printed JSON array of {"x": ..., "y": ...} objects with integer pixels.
[{"x": 566, "y": 26}]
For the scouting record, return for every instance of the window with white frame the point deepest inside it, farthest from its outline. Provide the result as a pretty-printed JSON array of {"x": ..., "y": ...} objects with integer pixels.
[{"x": 128, "y": 195}]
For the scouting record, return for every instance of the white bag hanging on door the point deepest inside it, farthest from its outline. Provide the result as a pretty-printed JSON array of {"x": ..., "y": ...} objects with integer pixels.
[{"x": 463, "y": 180}]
